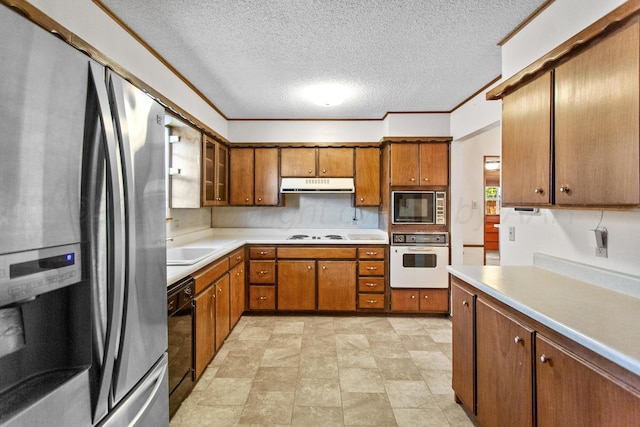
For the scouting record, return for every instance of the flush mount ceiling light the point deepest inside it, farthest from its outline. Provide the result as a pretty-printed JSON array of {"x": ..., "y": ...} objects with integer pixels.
[{"x": 327, "y": 94}]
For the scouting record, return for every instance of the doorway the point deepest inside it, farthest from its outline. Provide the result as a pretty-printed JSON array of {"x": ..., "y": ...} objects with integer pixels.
[{"x": 491, "y": 168}]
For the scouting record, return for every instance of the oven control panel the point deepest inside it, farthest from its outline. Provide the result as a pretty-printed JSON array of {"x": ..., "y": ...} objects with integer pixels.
[{"x": 426, "y": 239}]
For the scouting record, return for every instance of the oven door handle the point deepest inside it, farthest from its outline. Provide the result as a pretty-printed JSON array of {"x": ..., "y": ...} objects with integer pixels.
[{"x": 422, "y": 249}]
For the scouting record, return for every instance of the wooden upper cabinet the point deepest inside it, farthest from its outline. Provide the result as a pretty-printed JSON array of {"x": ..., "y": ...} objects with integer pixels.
[
  {"x": 596, "y": 123},
  {"x": 421, "y": 164},
  {"x": 367, "y": 177},
  {"x": 526, "y": 144},
  {"x": 241, "y": 188},
  {"x": 298, "y": 162},
  {"x": 434, "y": 164},
  {"x": 331, "y": 162},
  {"x": 215, "y": 165},
  {"x": 254, "y": 176},
  {"x": 266, "y": 177},
  {"x": 335, "y": 162},
  {"x": 404, "y": 164}
]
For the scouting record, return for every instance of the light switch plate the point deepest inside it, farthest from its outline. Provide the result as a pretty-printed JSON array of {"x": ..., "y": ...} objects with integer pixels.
[{"x": 512, "y": 233}]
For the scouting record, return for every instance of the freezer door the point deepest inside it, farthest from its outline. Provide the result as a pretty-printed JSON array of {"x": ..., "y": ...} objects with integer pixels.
[
  {"x": 147, "y": 404},
  {"x": 43, "y": 91},
  {"x": 139, "y": 124}
]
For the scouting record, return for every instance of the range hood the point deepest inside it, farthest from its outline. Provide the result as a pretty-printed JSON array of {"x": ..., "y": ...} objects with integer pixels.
[{"x": 317, "y": 185}]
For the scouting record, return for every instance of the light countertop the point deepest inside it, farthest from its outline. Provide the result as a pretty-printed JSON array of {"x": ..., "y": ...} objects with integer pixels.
[
  {"x": 226, "y": 240},
  {"x": 603, "y": 320}
]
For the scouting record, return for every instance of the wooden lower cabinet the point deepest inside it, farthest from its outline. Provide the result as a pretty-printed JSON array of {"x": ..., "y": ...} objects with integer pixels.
[
  {"x": 297, "y": 285},
  {"x": 573, "y": 392},
  {"x": 205, "y": 330},
  {"x": 337, "y": 285},
  {"x": 262, "y": 297},
  {"x": 463, "y": 345},
  {"x": 504, "y": 374},
  {"x": 420, "y": 300},
  {"x": 236, "y": 293},
  {"x": 222, "y": 310}
]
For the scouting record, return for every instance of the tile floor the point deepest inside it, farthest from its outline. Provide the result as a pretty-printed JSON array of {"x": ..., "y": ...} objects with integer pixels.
[{"x": 328, "y": 371}]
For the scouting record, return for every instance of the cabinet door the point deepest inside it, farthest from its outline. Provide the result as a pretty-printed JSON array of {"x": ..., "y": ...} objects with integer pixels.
[
  {"x": 596, "y": 123},
  {"x": 434, "y": 164},
  {"x": 337, "y": 285},
  {"x": 298, "y": 162},
  {"x": 408, "y": 300},
  {"x": 241, "y": 164},
  {"x": 208, "y": 189},
  {"x": 222, "y": 175},
  {"x": 570, "y": 392},
  {"x": 367, "y": 177},
  {"x": 297, "y": 285},
  {"x": 335, "y": 162},
  {"x": 463, "y": 348},
  {"x": 222, "y": 310},
  {"x": 237, "y": 293},
  {"x": 266, "y": 177},
  {"x": 205, "y": 327},
  {"x": 434, "y": 300},
  {"x": 526, "y": 144},
  {"x": 504, "y": 370},
  {"x": 404, "y": 164}
]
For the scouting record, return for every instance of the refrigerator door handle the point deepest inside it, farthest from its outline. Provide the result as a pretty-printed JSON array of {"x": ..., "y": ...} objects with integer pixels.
[{"x": 116, "y": 243}]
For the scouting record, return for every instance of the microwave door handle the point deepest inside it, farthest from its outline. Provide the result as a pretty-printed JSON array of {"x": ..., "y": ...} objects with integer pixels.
[{"x": 116, "y": 241}]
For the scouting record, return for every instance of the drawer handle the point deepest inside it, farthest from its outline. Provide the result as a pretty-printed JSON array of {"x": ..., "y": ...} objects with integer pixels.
[
  {"x": 538, "y": 190},
  {"x": 263, "y": 252},
  {"x": 565, "y": 189},
  {"x": 171, "y": 305},
  {"x": 262, "y": 272},
  {"x": 544, "y": 359},
  {"x": 239, "y": 257},
  {"x": 188, "y": 291},
  {"x": 413, "y": 297},
  {"x": 372, "y": 301},
  {"x": 263, "y": 298},
  {"x": 372, "y": 285},
  {"x": 372, "y": 253},
  {"x": 465, "y": 303},
  {"x": 372, "y": 268},
  {"x": 517, "y": 339}
]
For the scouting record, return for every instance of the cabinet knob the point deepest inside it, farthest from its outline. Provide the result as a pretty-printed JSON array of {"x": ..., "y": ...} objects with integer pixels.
[
  {"x": 239, "y": 257},
  {"x": 259, "y": 199},
  {"x": 262, "y": 272},
  {"x": 517, "y": 339},
  {"x": 309, "y": 171},
  {"x": 426, "y": 179},
  {"x": 426, "y": 297},
  {"x": 362, "y": 199},
  {"x": 262, "y": 298},
  {"x": 544, "y": 358},
  {"x": 324, "y": 171},
  {"x": 412, "y": 180},
  {"x": 324, "y": 267},
  {"x": 308, "y": 267},
  {"x": 538, "y": 190},
  {"x": 465, "y": 303},
  {"x": 413, "y": 297},
  {"x": 565, "y": 189},
  {"x": 246, "y": 199}
]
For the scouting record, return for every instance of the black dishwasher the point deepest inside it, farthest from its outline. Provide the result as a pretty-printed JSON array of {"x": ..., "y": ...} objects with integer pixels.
[{"x": 180, "y": 334}]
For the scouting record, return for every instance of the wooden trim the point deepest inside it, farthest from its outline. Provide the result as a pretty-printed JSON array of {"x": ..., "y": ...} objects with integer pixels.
[
  {"x": 526, "y": 22},
  {"x": 482, "y": 89},
  {"x": 304, "y": 144},
  {"x": 416, "y": 139},
  {"x": 604, "y": 26}
]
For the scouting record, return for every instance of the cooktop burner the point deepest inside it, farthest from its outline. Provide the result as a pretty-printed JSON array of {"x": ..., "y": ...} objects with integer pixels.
[{"x": 307, "y": 237}]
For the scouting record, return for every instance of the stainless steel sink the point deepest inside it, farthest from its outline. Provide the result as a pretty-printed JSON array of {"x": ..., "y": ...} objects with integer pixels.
[{"x": 188, "y": 256}]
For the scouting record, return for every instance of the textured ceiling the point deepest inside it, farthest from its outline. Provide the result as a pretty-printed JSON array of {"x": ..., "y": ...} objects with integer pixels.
[{"x": 254, "y": 58}]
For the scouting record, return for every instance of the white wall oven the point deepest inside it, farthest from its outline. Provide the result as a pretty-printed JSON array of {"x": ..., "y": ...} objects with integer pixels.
[
  {"x": 419, "y": 260},
  {"x": 419, "y": 207}
]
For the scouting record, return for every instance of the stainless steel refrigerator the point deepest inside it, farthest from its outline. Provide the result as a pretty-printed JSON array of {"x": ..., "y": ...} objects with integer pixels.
[{"x": 83, "y": 333}]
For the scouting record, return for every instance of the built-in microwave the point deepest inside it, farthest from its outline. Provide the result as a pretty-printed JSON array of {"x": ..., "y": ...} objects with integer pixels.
[{"x": 419, "y": 207}]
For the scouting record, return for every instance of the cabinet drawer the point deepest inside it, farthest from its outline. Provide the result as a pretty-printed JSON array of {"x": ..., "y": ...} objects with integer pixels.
[
  {"x": 371, "y": 268},
  {"x": 262, "y": 271},
  {"x": 262, "y": 297},
  {"x": 371, "y": 301},
  {"x": 371, "y": 253},
  {"x": 236, "y": 258},
  {"x": 292, "y": 252},
  {"x": 371, "y": 284},
  {"x": 436, "y": 300},
  {"x": 206, "y": 276},
  {"x": 262, "y": 253}
]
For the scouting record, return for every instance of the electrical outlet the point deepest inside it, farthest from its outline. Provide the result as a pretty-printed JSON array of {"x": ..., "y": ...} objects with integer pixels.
[
  {"x": 512, "y": 233},
  {"x": 601, "y": 252}
]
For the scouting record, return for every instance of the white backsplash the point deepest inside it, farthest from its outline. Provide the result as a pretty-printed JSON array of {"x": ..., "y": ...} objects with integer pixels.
[
  {"x": 186, "y": 221},
  {"x": 300, "y": 211}
]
